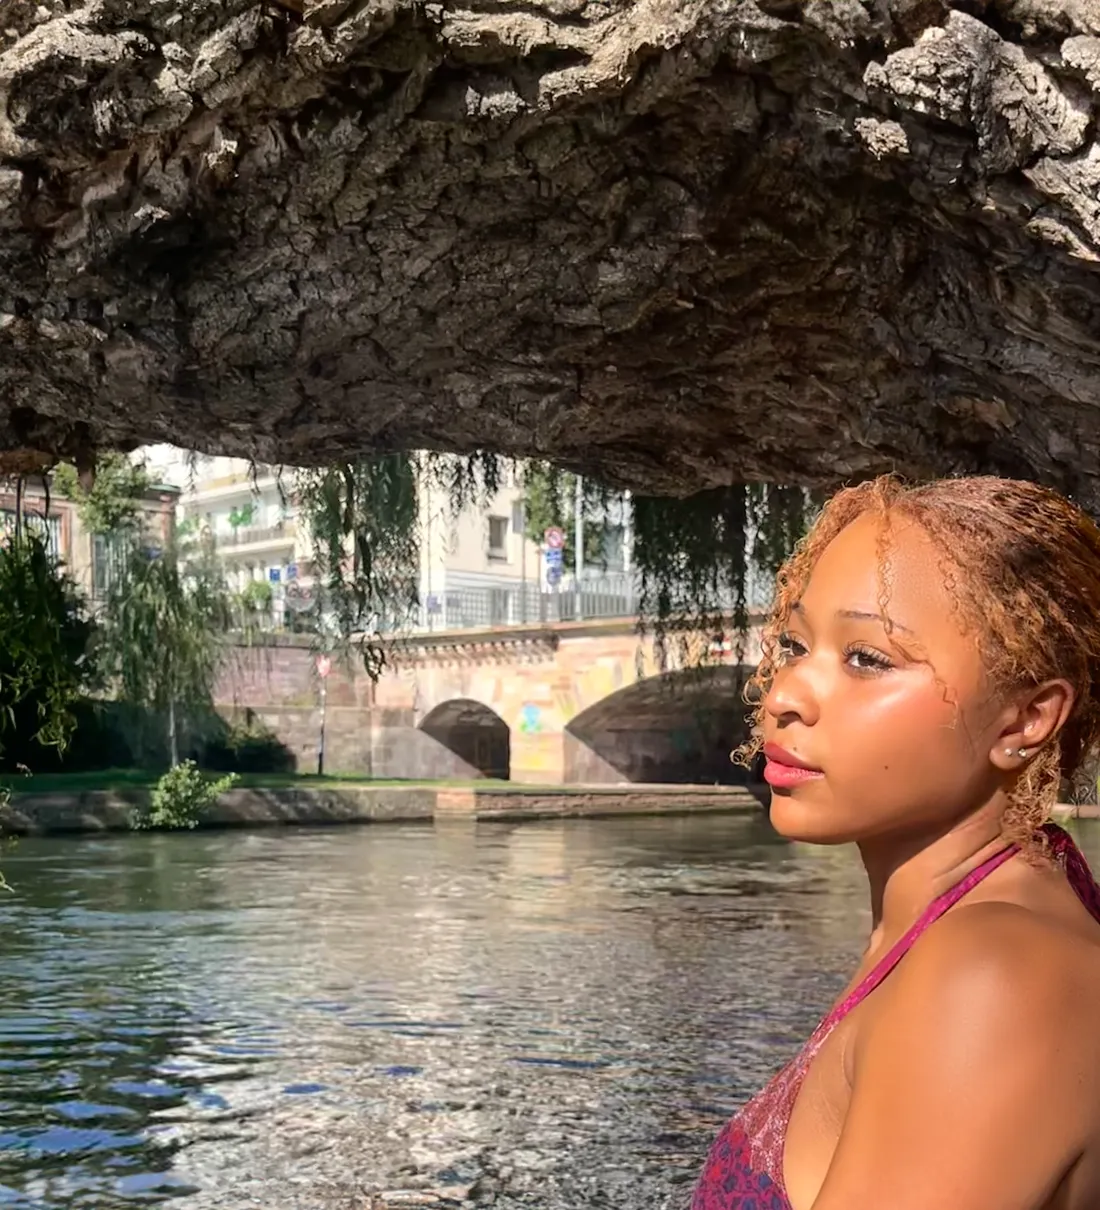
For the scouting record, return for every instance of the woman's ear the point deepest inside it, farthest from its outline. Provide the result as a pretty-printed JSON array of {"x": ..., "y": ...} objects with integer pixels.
[{"x": 1039, "y": 715}]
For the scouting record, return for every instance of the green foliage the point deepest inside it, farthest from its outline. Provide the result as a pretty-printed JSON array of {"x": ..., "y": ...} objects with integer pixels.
[
  {"x": 165, "y": 634},
  {"x": 112, "y": 505},
  {"x": 243, "y": 515},
  {"x": 45, "y": 647},
  {"x": 364, "y": 519},
  {"x": 181, "y": 798},
  {"x": 711, "y": 556},
  {"x": 549, "y": 499},
  {"x": 249, "y": 746},
  {"x": 257, "y": 596}
]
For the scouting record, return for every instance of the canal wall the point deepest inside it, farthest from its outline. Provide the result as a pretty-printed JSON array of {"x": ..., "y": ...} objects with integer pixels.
[{"x": 111, "y": 810}]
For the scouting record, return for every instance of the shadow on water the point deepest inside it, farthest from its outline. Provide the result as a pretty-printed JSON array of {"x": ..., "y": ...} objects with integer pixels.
[{"x": 558, "y": 1015}]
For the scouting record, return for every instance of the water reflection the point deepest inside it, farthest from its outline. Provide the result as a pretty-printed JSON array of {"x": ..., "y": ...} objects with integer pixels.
[{"x": 556, "y": 1014}]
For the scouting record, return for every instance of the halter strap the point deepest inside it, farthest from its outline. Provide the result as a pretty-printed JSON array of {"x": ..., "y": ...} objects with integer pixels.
[
  {"x": 1072, "y": 861},
  {"x": 1061, "y": 847},
  {"x": 931, "y": 914}
]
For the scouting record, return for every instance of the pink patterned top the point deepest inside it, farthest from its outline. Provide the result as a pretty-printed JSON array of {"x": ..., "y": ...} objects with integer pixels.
[{"x": 744, "y": 1170}]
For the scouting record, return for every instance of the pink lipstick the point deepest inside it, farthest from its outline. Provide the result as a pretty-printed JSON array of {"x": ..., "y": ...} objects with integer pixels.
[{"x": 784, "y": 770}]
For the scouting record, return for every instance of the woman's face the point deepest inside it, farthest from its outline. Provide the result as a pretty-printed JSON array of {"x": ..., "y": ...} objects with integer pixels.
[{"x": 896, "y": 726}]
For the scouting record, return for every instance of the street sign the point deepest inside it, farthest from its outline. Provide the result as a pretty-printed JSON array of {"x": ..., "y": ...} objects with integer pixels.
[
  {"x": 292, "y": 571},
  {"x": 554, "y": 557},
  {"x": 275, "y": 575},
  {"x": 298, "y": 596},
  {"x": 553, "y": 575},
  {"x": 554, "y": 538},
  {"x": 324, "y": 666}
]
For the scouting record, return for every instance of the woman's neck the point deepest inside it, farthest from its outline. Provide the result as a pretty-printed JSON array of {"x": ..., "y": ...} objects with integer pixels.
[{"x": 907, "y": 873}]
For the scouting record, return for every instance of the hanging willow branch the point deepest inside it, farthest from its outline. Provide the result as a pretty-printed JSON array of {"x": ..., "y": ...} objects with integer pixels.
[
  {"x": 706, "y": 561},
  {"x": 702, "y": 562},
  {"x": 364, "y": 520}
]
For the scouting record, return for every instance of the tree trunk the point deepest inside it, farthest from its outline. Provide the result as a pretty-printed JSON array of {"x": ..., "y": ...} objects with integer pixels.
[
  {"x": 173, "y": 739},
  {"x": 669, "y": 243}
]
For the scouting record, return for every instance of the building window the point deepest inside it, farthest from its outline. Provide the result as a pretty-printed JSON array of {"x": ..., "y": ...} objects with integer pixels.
[
  {"x": 498, "y": 537},
  {"x": 108, "y": 565},
  {"x": 48, "y": 528},
  {"x": 614, "y": 548}
]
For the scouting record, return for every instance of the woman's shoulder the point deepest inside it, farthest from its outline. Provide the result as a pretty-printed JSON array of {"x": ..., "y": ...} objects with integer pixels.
[
  {"x": 1004, "y": 983},
  {"x": 1018, "y": 961},
  {"x": 990, "y": 1017}
]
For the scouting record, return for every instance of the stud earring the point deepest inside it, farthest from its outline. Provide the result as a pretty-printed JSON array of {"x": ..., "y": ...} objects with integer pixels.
[{"x": 1022, "y": 753}]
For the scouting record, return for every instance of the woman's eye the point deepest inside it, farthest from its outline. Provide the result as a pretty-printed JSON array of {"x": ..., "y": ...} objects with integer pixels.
[
  {"x": 789, "y": 647},
  {"x": 865, "y": 659}
]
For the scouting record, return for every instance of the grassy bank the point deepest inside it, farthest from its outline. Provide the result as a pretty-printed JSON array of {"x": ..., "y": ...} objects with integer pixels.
[{"x": 126, "y": 779}]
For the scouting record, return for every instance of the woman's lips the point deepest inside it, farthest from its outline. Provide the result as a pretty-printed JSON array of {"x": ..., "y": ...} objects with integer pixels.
[{"x": 784, "y": 770}]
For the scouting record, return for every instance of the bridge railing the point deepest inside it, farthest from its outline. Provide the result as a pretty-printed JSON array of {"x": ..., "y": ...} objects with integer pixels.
[{"x": 527, "y": 604}]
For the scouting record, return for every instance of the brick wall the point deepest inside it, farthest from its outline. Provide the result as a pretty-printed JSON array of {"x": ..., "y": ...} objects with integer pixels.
[{"x": 278, "y": 686}]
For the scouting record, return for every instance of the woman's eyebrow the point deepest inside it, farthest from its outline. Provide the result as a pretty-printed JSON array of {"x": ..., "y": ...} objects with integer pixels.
[
  {"x": 861, "y": 615},
  {"x": 873, "y": 615}
]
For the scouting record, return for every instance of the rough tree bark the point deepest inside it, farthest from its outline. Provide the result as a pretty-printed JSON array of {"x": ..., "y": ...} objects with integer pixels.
[{"x": 670, "y": 242}]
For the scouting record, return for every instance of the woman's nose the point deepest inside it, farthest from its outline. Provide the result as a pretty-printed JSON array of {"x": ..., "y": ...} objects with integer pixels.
[{"x": 792, "y": 696}]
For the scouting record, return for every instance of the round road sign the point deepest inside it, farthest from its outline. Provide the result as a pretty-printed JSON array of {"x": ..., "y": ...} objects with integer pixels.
[{"x": 554, "y": 538}]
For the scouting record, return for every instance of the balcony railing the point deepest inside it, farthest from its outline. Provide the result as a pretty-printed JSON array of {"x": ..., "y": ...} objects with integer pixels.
[{"x": 249, "y": 535}]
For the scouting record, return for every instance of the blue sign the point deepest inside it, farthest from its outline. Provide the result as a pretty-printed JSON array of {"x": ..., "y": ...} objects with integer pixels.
[
  {"x": 553, "y": 575},
  {"x": 292, "y": 571},
  {"x": 553, "y": 557},
  {"x": 274, "y": 574}
]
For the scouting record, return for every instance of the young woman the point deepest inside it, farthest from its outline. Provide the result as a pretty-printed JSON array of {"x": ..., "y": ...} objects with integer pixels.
[{"x": 931, "y": 674}]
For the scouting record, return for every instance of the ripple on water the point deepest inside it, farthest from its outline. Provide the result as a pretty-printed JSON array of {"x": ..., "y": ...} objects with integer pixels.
[{"x": 559, "y": 1015}]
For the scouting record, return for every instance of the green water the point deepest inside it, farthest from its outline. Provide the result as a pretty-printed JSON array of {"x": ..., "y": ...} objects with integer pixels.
[{"x": 553, "y": 1015}]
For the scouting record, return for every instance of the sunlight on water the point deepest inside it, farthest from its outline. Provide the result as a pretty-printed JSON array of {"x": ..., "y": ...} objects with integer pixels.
[{"x": 558, "y": 1014}]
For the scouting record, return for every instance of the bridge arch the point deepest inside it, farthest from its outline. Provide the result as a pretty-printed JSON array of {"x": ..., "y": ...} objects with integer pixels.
[
  {"x": 675, "y": 727},
  {"x": 474, "y": 734}
]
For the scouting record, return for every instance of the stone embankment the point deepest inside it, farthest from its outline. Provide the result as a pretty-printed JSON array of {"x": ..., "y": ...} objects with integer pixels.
[{"x": 253, "y": 807}]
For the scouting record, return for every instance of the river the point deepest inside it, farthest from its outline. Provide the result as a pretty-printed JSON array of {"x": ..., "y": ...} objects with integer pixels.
[{"x": 552, "y": 1015}]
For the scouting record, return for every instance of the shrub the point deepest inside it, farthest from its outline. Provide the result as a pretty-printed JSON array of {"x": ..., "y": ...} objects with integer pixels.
[
  {"x": 45, "y": 639},
  {"x": 249, "y": 746},
  {"x": 182, "y": 797}
]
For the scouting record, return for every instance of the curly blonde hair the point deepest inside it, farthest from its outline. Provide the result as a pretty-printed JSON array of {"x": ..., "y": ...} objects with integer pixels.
[{"x": 1024, "y": 564}]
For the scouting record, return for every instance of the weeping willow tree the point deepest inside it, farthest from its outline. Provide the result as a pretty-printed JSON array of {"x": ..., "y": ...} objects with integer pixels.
[
  {"x": 705, "y": 561},
  {"x": 165, "y": 633},
  {"x": 701, "y": 562}
]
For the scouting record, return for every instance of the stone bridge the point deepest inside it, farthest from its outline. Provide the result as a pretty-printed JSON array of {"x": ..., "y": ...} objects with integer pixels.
[{"x": 581, "y": 702}]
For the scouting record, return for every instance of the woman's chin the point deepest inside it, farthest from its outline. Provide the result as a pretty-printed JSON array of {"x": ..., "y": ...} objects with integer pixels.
[{"x": 798, "y": 815}]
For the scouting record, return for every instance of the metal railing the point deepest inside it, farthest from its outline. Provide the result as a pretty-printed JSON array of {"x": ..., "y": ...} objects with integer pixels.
[
  {"x": 527, "y": 604},
  {"x": 247, "y": 534}
]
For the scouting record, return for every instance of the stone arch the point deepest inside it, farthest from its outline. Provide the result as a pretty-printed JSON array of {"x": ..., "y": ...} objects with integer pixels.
[
  {"x": 474, "y": 734},
  {"x": 675, "y": 727}
]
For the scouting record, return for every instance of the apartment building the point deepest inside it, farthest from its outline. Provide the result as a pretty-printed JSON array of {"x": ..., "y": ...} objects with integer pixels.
[
  {"x": 248, "y": 513},
  {"x": 476, "y": 569},
  {"x": 85, "y": 556}
]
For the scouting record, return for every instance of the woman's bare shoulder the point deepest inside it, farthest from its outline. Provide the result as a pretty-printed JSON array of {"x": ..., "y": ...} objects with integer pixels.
[
  {"x": 991, "y": 1015},
  {"x": 1011, "y": 964},
  {"x": 997, "y": 995}
]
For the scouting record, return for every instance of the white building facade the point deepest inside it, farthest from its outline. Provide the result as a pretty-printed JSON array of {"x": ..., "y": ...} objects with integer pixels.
[{"x": 477, "y": 569}]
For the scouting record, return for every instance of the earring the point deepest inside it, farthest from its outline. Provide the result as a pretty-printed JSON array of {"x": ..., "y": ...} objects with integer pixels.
[{"x": 1022, "y": 753}]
